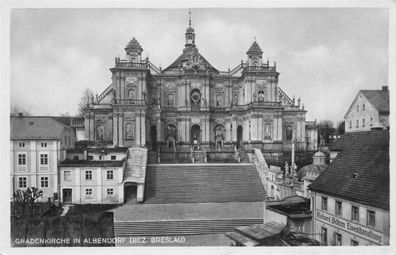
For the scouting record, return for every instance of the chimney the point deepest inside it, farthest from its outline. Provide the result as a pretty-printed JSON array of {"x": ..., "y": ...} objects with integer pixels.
[
  {"x": 20, "y": 115},
  {"x": 384, "y": 88}
]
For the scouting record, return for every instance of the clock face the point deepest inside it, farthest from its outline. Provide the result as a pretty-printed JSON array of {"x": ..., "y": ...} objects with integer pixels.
[{"x": 131, "y": 79}]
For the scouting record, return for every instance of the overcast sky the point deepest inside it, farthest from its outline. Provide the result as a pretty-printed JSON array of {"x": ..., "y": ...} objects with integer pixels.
[{"x": 324, "y": 56}]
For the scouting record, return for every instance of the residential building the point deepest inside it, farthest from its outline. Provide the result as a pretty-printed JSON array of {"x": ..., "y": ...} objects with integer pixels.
[
  {"x": 351, "y": 197},
  {"x": 38, "y": 144},
  {"x": 369, "y": 109}
]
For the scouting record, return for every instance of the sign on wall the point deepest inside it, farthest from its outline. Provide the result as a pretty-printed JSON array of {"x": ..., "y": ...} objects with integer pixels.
[{"x": 351, "y": 227}]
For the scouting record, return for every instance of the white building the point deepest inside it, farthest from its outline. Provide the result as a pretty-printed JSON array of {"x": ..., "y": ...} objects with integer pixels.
[
  {"x": 369, "y": 109},
  {"x": 38, "y": 144},
  {"x": 351, "y": 197}
]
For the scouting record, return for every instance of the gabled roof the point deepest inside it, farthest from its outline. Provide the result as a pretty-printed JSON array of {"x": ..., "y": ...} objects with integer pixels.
[
  {"x": 31, "y": 127},
  {"x": 360, "y": 172},
  {"x": 188, "y": 52},
  {"x": 378, "y": 98}
]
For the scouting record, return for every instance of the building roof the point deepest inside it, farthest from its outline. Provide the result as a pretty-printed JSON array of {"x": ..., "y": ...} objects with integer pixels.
[
  {"x": 92, "y": 163},
  {"x": 254, "y": 48},
  {"x": 187, "y": 54},
  {"x": 378, "y": 98},
  {"x": 360, "y": 172},
  {"x": 310, "y": 171},
  {"x": 35, "y": 127}
]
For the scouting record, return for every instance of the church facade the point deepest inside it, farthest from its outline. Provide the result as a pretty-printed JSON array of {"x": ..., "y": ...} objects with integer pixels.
[{"x": 190, "y": 105}]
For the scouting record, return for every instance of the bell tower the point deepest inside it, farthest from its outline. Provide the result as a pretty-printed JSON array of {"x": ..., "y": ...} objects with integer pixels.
[
  {"x": 190, "y": 35},
  {"x": 255, "y": 55},
  {"x": 133, "y": 51}
]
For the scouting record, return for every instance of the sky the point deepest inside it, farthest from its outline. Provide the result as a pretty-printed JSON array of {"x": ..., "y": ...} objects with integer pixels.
[{"x": 324, "y": 56}]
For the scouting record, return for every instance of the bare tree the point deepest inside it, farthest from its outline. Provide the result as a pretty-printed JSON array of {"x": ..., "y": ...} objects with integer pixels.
[
  {"x": 85, "y": 100},
  {"x": 27, "y": 197}
]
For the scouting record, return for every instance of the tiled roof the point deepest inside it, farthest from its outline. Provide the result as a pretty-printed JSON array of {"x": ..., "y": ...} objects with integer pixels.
[
  {"x": 92, "y": 163},
  {"x": 379, "y": 99},
  {"x": 360, "y": 172},
  {"x": 31, "y": 127}
]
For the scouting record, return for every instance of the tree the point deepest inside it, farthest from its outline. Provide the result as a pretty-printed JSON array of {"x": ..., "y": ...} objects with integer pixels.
[
  {"x": 341, "y": 127},
  {"x": 84, "y": 101},
  {"x": 27, "y": 197},
  {"x": 325, "y": 129}
]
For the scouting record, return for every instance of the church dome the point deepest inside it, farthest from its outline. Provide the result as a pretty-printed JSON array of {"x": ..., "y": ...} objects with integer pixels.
[
  {"x": 311, "y": 171},
  {"x": 189, "y": 30},
  {"x": 319, "y": 154}
]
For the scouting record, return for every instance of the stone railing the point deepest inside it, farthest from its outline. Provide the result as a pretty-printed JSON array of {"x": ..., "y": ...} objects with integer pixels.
[
  {"x": 261, "y": 166},
  {"x": 130, "y": 101}
]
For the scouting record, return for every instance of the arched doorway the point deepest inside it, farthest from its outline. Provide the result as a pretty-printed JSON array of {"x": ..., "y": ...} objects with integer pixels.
[
  {"x": 195, "y": 136},
  {"x": 153, "y": 137},
  {"x": 130, "y": 191},
  {"x": 239, "y": 136}
]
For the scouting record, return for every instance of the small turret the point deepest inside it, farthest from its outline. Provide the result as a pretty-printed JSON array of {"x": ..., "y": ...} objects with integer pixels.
[
  {"x": 255, "y": 55},
  {"x": 133, "y": 51},
  {"x": 190, "y": 35}
]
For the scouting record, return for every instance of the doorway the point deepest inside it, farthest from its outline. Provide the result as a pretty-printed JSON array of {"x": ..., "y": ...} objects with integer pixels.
[
  {"x": 239, "y": 136},
  {"x": 153, "y": 137},
  {"x": 67, "y": 195},
  {"x": 195, "y": 136}
]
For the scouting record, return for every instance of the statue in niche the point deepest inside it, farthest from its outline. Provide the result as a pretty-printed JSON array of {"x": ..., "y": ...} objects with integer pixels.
[
  {"x": 129, "y": 131},
  {"x": 171, "y": 101},
  {"x": 186, "y": 102},
  {"x": 261, "y": 96},
  {"x": 144, "y": 96},
  {"x": 203, "y": 102},
  {"x": 132, "y": 96},
  {"x": 99, "y": 132},
  {"x": 235, "y": 100},
  {"x": 254, "y": 96},
  {"x": 219, "y": 100},
  {"x": 267, "y": 132},
  {"x": 219, "y": 132}
]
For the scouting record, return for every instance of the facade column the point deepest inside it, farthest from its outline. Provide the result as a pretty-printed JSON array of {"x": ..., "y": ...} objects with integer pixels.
[
  {"x": 143, "y": 128},
  {"x": 115, "y": 124},
  {"x": 253, "y": 129},
  {"x": 99, "y": 184},
  {"x": 137, "y": 129},
  {"x": 260, "y": 131},
  {"x": 120, "y": 129},
  {"x": 159, "y": 129},
  {"x": 234, "y": 129},
  {"x": 228, "y": 131}
]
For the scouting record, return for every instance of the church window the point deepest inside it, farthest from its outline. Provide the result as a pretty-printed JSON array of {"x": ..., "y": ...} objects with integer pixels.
[
  {"x": 363, "y": 122},
  {"x": 371, "y": 121},
  {"x": 357, "y": 123},
  {"x": 363, "y": 107}
]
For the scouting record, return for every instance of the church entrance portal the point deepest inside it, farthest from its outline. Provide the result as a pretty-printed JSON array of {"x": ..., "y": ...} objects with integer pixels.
[
  {"x": 239, "y": 136},
  {"x": 195, "y": 136},
  {"x": 153, "y": 136}
]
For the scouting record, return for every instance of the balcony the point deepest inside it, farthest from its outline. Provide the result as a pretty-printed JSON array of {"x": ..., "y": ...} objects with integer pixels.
[{"x": 137, "y": 102}]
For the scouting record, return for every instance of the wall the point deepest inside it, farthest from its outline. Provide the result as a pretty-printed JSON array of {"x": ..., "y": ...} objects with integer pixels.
[
  {"x": 382, "y": 218},
  {"x": 99, "y": 184}
]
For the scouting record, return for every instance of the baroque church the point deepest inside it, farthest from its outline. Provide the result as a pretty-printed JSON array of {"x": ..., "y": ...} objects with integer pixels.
[{"x": 191, "y": 105}]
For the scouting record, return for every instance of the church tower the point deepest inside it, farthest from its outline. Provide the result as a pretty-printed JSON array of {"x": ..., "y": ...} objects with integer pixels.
[
  {"x": 190, "y": 35},
  {"x": 255, "y": 55}
]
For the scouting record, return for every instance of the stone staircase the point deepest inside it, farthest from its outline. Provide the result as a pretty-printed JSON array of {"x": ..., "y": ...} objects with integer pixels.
[
  {"x": 203, "y": 183},
  {"x": 199, "y": 157},
  {"x": 243, "y": 157},
  {"x": 180, "y": 227}
]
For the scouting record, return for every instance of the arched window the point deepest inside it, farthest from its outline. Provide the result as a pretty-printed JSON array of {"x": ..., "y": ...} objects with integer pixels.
[
  {"x": 99, "y": 132},
  {"x": 289, "y": 132}
]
